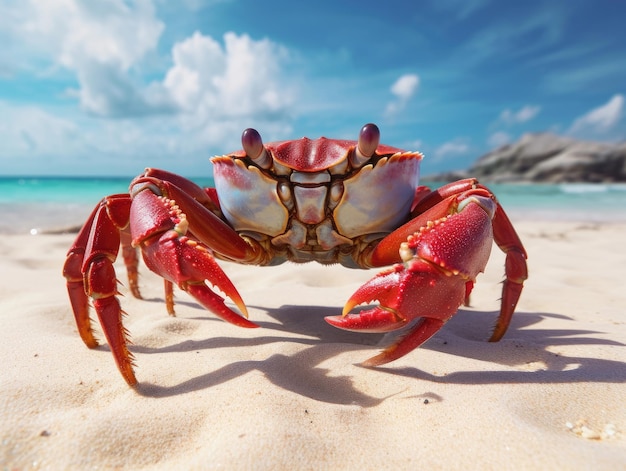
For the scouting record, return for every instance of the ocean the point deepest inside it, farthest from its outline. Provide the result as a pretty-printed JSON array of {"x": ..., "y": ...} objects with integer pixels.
[{"x": 43, "y": 204}]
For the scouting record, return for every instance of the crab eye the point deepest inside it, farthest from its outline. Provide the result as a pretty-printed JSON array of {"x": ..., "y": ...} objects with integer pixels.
[
  {"x": 252, "y": 143},
  {"x": 367, "y": 145},
  {"x": 369, "y": 138},
  {"x": 253, "y": 146}
]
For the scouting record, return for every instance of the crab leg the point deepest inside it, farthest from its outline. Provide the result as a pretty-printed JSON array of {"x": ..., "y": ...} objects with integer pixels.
[
  {"x": 131, "y": 261},
  {"x": 90, "y": 264},
  {"x": 73, "y": 268},
  {"x": 515, "y": 268}
]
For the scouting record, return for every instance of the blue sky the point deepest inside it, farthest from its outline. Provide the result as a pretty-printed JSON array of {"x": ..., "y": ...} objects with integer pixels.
[{"x": 109, "y": 86}]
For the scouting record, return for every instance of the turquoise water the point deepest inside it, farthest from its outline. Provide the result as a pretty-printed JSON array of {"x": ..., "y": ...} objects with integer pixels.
[
  {"x": 29, "y": 204},
  {"x": 53, "y": 203}
]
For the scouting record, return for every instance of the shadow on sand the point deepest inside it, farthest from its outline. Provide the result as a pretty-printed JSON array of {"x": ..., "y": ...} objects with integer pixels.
[{"x": 464, "y": 335}]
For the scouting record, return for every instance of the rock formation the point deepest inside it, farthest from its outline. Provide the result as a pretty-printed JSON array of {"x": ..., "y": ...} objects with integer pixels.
[{"x": 546, "y": 157}]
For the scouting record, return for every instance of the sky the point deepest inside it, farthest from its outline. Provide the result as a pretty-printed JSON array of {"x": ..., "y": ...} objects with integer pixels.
[{"x": 109, "y": 87}]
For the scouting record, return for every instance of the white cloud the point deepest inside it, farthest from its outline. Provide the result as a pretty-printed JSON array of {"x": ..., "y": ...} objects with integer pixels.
[
  {"x": 455, "y": 147},
  {"x": 498, "y": 139},
  {"x": 524, "y": 114},
  {"x": 404, "y": 88},
  {"x": 600, "y": 119},
  {"x": 237, "y": 80}
]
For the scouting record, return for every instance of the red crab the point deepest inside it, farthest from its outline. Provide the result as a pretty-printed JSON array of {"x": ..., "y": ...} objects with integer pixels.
[{"x": 356, "y": 203}]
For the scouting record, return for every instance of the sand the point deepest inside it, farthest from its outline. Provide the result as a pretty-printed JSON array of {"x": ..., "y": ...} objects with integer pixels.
[{"x": 290, "y": 395}]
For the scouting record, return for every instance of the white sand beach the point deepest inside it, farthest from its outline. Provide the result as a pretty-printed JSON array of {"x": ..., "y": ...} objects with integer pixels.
[{"x": 290, "y": 395}]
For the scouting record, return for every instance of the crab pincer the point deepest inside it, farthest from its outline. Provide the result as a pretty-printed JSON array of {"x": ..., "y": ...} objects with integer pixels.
[{"x": 440, "y": 263}]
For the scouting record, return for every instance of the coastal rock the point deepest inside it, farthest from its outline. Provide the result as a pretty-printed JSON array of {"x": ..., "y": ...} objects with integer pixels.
[{"x": 549, "y": 158}]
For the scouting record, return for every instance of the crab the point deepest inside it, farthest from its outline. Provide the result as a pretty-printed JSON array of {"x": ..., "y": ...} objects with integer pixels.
[{"x": 356, "y": 203}]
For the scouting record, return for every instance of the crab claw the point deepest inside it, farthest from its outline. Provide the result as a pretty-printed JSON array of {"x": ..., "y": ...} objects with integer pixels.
[
  {"x": 404, "y": 294},
  {"x": 171, "y": 258},
  {"x": 385, "y": 317},
  {"x": 183, "y": 260},
  {"x": 441, "y": 262}
]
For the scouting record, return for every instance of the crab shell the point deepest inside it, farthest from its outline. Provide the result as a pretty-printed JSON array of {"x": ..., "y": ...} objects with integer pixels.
[{"x": 317, "y": 199}]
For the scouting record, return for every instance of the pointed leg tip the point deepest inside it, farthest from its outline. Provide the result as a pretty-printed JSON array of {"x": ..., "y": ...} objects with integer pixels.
[
  {"x": 91, "y": 342},
  {"x": 498, "y": 332},
  {"x": 129, "y": 376},
  {"x": 378, "y": 360},
  {"x": 132, "y": 382},
  {"x": 371, "y": 363},
  {"x": 125, "y": 362}
]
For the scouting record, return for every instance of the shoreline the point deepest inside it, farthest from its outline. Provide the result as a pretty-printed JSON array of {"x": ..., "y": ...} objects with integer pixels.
[
  {"x": 59, "y": 219},
  {"x": 549, "y": 395},
  {"x": 56, "y": 207}
]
